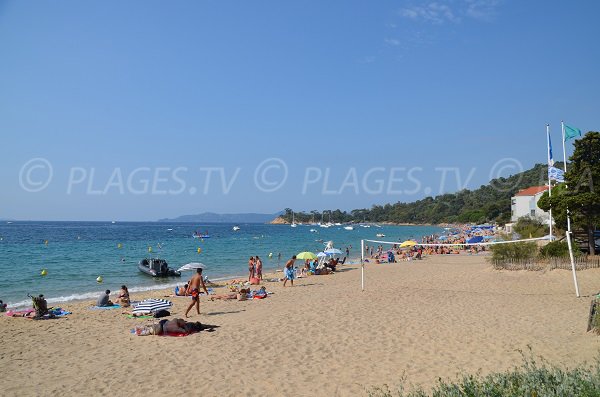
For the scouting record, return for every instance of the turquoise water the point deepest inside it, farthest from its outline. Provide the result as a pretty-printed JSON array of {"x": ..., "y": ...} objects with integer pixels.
[{"x": 77, "y": 253}]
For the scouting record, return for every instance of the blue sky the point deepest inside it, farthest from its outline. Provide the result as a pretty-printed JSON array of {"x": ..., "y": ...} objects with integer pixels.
[{"x": 155, "y": 109}]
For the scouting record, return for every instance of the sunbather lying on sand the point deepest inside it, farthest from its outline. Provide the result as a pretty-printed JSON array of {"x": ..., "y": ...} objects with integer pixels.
[
  {"x": 232, "y": 295},
  {"x": 174, "y": 326}
]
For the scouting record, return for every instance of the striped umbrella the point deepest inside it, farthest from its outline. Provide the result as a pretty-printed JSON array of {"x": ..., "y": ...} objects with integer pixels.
[{"x": 151, "y": 306}]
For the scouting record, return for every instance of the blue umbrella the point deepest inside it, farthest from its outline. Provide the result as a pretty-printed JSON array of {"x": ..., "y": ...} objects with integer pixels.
[
  {"x": 476, "y": 239},
  {"x": 333, "y": 251}
]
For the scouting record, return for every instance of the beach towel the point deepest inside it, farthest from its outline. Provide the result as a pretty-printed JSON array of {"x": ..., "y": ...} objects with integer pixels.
[
  {"x": 19, "y": 313},
  {"x": 177, "y": 334},
  {"x": 59, "y": 312},
  {"x": 105, "y": 307},
  {"x": 30, "y": 313}
]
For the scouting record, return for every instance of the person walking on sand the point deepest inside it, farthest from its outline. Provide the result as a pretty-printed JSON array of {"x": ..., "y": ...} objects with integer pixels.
[
  {"x": 194, "y": 291},
  {"x": 251, "y": 268},
  {"x": 289, "y": 271},
  {"x": 258, "y": 268}
]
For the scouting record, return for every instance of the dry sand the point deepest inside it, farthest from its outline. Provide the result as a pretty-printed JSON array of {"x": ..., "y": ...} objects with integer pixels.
[{"x": 323, "y": 337}]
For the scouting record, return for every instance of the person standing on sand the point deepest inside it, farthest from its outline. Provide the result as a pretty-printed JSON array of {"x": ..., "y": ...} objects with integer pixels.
[
  {"x": 289, "y": 271},
  {"x": 258, "y": 268},
  {"x": 194, "y": 291},
  {"x": 251, "y": 268}
]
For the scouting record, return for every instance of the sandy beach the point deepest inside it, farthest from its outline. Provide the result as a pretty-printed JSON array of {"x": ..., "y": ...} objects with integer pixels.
[{"x": 323, "y": 337}]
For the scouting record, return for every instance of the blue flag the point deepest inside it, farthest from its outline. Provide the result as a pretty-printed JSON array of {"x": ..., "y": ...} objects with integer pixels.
[
  {"x": 571, "y": 132},
  {"x": 556, "y": 174},
  {"x": 550, "y": 158}
]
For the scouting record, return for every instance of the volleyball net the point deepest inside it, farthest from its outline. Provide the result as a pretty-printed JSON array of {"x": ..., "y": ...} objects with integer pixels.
[{"x": 412, "y": 244}]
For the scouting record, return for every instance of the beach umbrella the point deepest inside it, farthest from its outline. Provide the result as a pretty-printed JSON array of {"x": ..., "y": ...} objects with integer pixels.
[
  {"x": 442, "y": 238},
  {"x": 321, "y": 255},
  {"x": 474, "y": 240},
  {"x": 151, "y": 306},
  {"x": 192, "y": 266},
  {"x": 306, "y": 255},
  {"x": 408, "y": 243},
  {"x": 333, "y": 251}
]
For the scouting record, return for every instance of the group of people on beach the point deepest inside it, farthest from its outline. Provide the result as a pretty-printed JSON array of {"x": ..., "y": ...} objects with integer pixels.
[
  {"x": 122, "y": 298},
  {"x": 255, "y": 267}
]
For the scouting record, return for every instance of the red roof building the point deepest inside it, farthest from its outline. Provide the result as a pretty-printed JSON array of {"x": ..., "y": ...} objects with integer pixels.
[
  {"x": 524, "y": 203},
  {"x": 532, "y": 191}
]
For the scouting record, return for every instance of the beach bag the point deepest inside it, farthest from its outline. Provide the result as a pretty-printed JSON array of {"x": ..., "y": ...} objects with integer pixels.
[{"x": 162, "y": 313}]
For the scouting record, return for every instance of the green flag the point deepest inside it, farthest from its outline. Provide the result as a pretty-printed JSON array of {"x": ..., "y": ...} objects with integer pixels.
[{"x": 571, "y": 132}]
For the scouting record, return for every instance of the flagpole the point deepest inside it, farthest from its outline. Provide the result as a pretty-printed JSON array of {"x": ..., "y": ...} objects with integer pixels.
[
  {"x": 569, "y": 242},
  {"x": 549, "y": 180}
]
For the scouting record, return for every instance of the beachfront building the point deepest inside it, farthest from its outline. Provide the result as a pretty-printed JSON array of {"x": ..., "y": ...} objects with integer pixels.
[{"x": 524, "y": 203}]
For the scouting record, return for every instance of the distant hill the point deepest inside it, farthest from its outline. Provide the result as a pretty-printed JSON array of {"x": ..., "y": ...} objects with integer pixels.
[
  {"x": 211, "y": 217},
  {"x": 488, "y": 203}
]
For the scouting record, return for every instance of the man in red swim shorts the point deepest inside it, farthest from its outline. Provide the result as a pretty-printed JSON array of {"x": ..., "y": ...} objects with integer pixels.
[{"x": 194, "y": 291}]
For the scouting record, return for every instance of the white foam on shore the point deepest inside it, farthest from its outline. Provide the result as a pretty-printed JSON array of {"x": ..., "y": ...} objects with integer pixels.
[{"x": 93, "y": 295}]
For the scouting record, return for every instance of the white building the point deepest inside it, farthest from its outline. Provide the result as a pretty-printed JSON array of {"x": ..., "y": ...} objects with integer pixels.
[{"x": 524, "y": 203}]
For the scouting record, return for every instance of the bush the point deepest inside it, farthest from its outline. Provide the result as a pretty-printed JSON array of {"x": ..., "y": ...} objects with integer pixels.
[
  {"x": 520, "y": 250},
  {"x": 533, "y": 227},
  {"x": 558, "y": 249},
  {"x": 530, "y": 379}
]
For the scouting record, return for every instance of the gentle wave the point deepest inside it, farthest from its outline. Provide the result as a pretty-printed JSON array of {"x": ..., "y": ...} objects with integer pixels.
[{"x": 95, "y": 294}]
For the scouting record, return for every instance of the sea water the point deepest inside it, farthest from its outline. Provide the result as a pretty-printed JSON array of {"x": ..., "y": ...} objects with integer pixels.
[{"x": 75, "y": 254}]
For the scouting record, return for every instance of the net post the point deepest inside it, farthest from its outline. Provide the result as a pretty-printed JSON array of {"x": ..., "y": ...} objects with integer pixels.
[
  {"x": 572, "y": 262},
  {"x": 362, "y": 265}
]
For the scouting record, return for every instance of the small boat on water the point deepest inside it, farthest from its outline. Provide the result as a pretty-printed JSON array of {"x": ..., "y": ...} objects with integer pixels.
[
  {"x": 200, "y": 235},
  {"x": 236, "y": 228},
  {"x": 380, "y": 235},
  {"x": 157, "y": 268},
  {"x": 313, "y": 230},
  {"x": 348, "y": 228}
]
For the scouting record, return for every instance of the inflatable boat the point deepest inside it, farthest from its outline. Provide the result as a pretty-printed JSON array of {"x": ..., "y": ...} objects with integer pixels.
[{"x": 157, "y": 268}]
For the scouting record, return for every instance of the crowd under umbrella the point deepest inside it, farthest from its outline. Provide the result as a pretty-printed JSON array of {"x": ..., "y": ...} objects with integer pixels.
[
  {"x": 151, "y": 306},
  {"x": 408, "y": 243}
]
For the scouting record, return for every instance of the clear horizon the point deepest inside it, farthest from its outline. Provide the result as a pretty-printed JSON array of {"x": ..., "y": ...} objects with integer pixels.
[{"x": 148, "y": 110}]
